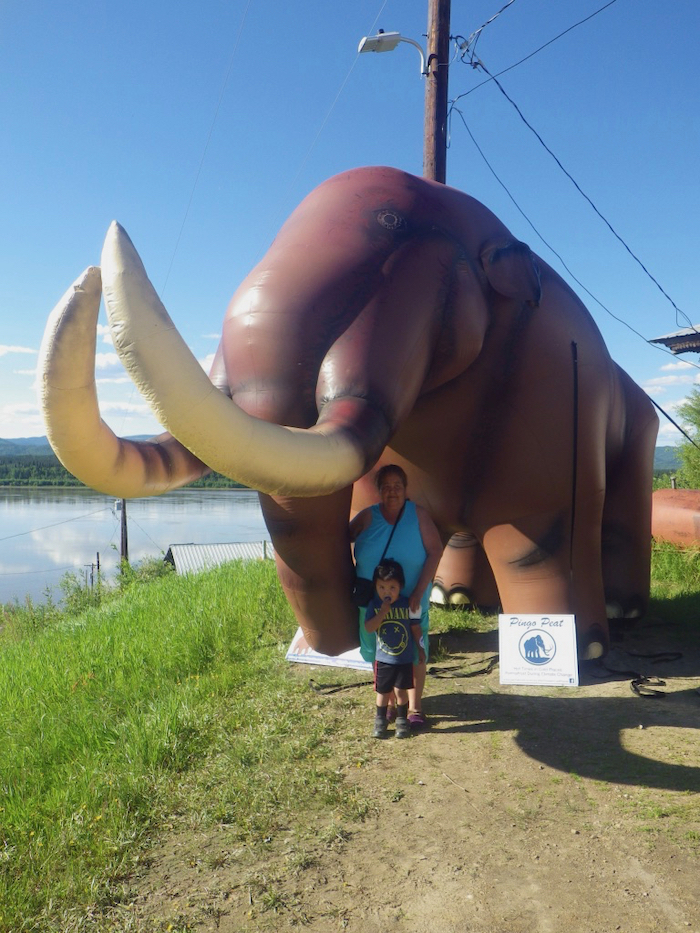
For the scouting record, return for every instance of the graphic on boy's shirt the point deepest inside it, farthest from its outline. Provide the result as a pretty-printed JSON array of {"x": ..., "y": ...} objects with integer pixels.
[{"x": 393, "y": 637}]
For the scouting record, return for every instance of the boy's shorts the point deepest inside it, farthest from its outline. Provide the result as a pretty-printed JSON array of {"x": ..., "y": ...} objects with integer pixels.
[{"x": 388, "y": 676}]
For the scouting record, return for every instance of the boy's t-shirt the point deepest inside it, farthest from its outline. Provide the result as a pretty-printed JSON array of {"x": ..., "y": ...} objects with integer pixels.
[{"x": 394, "y": 635}]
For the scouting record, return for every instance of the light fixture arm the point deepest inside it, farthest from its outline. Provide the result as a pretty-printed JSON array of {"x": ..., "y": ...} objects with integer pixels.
[
  {"x": 423, "y": 66},
  {"x": 387, "y": 42}
]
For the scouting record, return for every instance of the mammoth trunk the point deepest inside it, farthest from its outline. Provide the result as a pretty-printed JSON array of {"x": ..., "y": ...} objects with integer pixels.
[{"x": 312, "y": 550}]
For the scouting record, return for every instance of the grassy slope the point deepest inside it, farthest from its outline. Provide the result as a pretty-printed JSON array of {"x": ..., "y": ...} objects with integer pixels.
[{"x": 170, "y": 701}]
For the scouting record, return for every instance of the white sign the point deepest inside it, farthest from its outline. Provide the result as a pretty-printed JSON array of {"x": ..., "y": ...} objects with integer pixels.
[
  {"x": 535, "y": 649},
  {"x": 301, "y": 652}
]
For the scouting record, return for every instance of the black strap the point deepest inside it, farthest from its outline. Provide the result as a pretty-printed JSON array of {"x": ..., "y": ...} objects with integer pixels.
[
  {"x": 644, "y": 687},
  {"x": 325, "y": 689},
  {"x": 574, "y": 360},
  {"x": 641, "y": 684},
  {"x": 444, "y": 672}
]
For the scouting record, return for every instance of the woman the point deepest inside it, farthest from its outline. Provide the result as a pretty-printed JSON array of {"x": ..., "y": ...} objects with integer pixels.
[{"x": 416, "y": 545}]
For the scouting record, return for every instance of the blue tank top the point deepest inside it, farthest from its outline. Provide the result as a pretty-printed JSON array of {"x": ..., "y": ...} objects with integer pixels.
[{"x": 406, "y": 547}]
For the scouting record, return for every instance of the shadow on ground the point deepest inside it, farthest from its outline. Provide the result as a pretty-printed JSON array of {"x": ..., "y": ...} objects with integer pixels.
[{"x": 585, "y": 730}]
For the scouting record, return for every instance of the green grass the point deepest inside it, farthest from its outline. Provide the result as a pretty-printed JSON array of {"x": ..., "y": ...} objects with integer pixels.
[
  {"x": 675, "y": 570},
  {"x": 166, "y": 703},
  {"x": 105, "y": 715}
]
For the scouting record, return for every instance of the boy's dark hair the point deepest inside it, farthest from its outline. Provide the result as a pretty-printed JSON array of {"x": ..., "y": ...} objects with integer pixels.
[{"x": 389, "y": 569}]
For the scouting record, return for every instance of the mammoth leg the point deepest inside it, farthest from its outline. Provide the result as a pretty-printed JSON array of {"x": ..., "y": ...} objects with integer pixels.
[
  {"x": 312, "y": 550},
  {"x": 464, "y": 577},
  {"x": 626, "y": 554},
  {"x": 532, "y": 561}
]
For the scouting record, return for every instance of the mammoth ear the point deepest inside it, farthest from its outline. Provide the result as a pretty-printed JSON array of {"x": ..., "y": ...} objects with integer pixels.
[{"x": 512, "y": 270}]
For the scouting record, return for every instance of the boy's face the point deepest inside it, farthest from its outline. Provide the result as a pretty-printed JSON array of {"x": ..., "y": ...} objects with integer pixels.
[{"x": 388, "y": 590}]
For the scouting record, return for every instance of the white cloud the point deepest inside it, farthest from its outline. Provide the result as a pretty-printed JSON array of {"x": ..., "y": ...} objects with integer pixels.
[
  {"x": 16, "y": 409},
  {"x": 679, "y": 364},
  {"x": 126, "y": 408},
  {"x": 8, "y": 348},
  {"x": 211, "y": 336},
  {"x": 668, "y": 433},
  {"x": 207, "y": 361},
  {"x": 112, "y": 380},
  {"x": 661, "y": 383},
  {"x": 104, "y": 331},
  {"x": 106, "y": 360}
]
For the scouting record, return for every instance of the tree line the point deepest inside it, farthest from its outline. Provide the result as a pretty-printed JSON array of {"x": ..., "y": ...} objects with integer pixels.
[{"x": 27, "y": 470}]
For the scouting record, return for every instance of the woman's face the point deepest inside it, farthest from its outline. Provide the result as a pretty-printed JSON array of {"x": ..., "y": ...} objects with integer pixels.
[{"x": 392, "y": 492}]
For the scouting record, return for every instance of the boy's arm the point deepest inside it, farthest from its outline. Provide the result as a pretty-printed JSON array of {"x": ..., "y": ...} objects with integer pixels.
[
  {"x": 417, "y": 633},
  {"x": 372, "y": 622}
]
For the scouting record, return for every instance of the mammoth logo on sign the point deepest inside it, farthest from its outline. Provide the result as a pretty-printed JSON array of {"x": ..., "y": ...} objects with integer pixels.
[
  {"x": 537, "y": 647},
  {"x": 538, "y": 650}
]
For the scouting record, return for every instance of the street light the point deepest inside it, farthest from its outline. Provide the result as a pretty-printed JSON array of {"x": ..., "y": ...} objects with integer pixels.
[
  {"x": 387, "y": 42},
  {"x": 434, "y": 66}
]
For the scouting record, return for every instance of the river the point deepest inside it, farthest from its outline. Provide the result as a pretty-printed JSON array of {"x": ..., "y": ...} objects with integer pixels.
[{"x": 46, "y": 533}]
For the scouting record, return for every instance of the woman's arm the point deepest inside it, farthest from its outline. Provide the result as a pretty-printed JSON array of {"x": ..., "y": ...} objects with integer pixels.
[
  {"x": 360, "y": 523},
  {"x": 417, "y": 633},
  {"x": 433, "y": 547}
]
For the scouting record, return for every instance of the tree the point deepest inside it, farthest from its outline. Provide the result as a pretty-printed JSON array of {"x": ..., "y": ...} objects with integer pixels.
[{"x": 689, "y": 414}]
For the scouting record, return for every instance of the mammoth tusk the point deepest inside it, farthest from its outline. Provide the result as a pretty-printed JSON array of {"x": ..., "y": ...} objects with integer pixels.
[
  {"x": 82, "y": 441},
  {"x": 269, "y": 457}
]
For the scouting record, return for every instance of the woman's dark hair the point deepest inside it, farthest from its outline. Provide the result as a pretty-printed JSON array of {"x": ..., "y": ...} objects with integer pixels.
[
  {"x": 385, "y": 471},
  {"x": 389, "y": 569}
]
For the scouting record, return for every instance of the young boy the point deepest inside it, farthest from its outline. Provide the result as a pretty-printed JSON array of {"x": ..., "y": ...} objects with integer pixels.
[{"x": 389, "y": 616}]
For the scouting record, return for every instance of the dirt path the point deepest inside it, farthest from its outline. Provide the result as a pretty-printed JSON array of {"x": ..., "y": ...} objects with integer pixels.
[{"x": 521, "y": 810}]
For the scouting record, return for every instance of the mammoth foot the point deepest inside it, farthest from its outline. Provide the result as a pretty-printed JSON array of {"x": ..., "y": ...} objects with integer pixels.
[
  {"x": 458, "y": 597},
  {"x": 625, "y": 607},
  {"x": 593, "y": 644}
]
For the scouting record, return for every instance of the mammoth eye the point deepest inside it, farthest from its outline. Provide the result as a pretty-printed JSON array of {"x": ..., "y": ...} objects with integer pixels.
[{"x": 391, "y": 220}]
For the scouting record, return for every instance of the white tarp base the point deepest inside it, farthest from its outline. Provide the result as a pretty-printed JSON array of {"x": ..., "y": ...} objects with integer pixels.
[{"x": 302, "y": 653}]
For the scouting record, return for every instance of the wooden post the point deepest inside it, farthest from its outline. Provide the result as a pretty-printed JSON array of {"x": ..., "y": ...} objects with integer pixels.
[{"x": 436, "y": 83}]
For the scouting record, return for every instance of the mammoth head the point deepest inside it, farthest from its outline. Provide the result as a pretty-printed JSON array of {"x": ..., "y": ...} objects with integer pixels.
[{"x": 342, "y": 317}]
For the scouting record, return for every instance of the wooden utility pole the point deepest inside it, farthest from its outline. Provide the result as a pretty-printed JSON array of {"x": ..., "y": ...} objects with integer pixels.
[{"x": 435, "y": 125}]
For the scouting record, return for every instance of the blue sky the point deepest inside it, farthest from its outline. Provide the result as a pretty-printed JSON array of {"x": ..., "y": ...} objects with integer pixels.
[{"x": 200, "y": 126}]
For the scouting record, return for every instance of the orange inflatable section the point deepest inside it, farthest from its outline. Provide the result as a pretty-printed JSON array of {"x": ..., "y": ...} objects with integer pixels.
[{"x": 675, "y": 516}]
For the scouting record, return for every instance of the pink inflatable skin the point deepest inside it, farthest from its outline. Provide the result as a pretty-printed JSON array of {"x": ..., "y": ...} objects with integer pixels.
[{"x": 399, "y": 319}]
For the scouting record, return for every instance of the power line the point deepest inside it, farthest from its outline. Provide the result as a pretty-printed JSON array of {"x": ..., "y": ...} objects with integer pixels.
[
  {"x": 133, "y": 521},
  {"x": 554, "y": 252},
  {"x": 590, "y": 202},
  {"x": 327, "y": 117},
  {"x": 469, "y": 49},
  {"x": 476, "y": 35},
  {"x": 206, "y": 146},
  {"x": 54, "y": 524},
  {"x": 578, "y": 281},
  {"x": 26, "y": 573}
]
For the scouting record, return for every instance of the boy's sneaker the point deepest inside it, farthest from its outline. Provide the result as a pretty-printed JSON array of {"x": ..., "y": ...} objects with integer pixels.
[
  {"x": 403, "y": 730},
  {"x": 380, "y": 727}
]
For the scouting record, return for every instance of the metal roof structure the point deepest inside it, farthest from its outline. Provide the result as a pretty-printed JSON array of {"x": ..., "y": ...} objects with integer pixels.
[
  {"x": 191, "y": 558},
  {"x": 681, "y": 341}
]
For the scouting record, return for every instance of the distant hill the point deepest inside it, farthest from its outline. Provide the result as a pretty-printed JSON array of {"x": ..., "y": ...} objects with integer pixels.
[
  {"x": 34, "y": 446},
  {"x": 665, "y": 458},
  {"x": 25, "y": 446}
]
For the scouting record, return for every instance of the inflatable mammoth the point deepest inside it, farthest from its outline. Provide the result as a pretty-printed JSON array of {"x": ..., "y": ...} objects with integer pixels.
[{"x": 393, "y": 319}]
